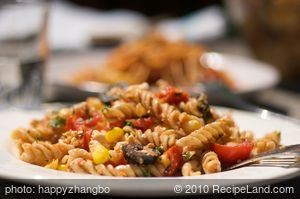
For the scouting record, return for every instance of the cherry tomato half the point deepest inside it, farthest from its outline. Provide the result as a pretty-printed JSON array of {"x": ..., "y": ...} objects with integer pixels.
[
  {"x": 93, "y": 121},
  {"x": 69, "y": 124},
  {"x": 175, "y": 155},
  {"x": 117, "y": 123},
  {"x": 143, "y": 123},
  {"x": 173, "y": 95},
  {"x": 86, "y": 139},
  {"x": 232, "y": 154},
  {"x": 119, "y": 159}
]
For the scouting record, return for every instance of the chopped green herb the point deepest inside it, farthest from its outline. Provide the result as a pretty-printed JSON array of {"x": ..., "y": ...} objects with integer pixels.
[
  {"x": 105, "y": 109},
  {"x": 38, "y": 137},
  {"x": 57, "y": 122},
  {"x": 146, "y": 172},
  {"x": 159, "y": 149},
  {"x": 187, "y": 156},
  {"x": 128, "y": 123},
  {"x": 107, "y": 104},
  {"x": 204, "y": 108}
]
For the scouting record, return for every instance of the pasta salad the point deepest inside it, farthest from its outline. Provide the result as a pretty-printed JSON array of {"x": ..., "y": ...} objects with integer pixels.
[{"x": 139, "y": 132}]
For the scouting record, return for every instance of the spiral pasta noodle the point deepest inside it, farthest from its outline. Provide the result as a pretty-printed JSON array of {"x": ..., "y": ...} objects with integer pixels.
[
  {"x": 210, "y": 162},
  {"x": 124, "y": 110},
  {"x": 73, "y": 154},
  {"x": 202, "y": 138},
  {"x": 26, "y": 135},
  {"x": 79, "y": 153},
  {"x": 41, "y": 153},
  {"x": 160, "y": 136},
  {"x": 268, "y": 142},
  {"x": 33, "y": 134},
  {"x": 72, "y": 137},
  {"x": 80, "y": 165},
  {"x": 191, "y": 168},
  {"x": 191, "y": 107}
]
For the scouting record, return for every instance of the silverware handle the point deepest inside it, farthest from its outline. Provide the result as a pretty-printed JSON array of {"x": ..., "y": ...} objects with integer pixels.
[{"x": 274, "y": 153}]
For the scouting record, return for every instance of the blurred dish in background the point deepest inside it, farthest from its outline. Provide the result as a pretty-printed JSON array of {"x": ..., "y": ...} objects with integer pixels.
[
  {"x": 153, "y": 58},
  {"x": 249, "y": 75}
]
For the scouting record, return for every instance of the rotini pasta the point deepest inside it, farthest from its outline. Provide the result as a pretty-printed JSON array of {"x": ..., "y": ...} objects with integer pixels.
[
  {"x": 80, "y": 165},
  {"x": 191, "y": 168},
  {"x": 123, "y": 110},
  {"x": 210, "y": 162},
  {"x": 268, "y": 142},
  {"x": 140, "y": 133},
  {"x": 203, "y": 137},
  {"x": 191, "y": 107},
  {"x": 160, "y": 136},
  {"x": 72, "y": 137},
  {"x": 168, "y": 113},
  {"x": 198, "y": 107},
  {"x": 41, "y": 153}
]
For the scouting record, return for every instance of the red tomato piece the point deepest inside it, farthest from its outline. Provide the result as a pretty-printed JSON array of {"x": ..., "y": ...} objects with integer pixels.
[
  {"x": 93, "y": 121},
  {"x": 80, "y": 114},
  {"x": 232, "y": 154},
  {"x": 173, "y": 95},
  {"x": 119, "y": 159},
  {"x": 143, "y": 123},
  {"x": 117, "y": 123},
  {"x": 79, "y": 124},
  {"x": 69, "y": 124},
  {"x": 101, "y": 127},
  {"x": 175, "y": 155},
  {"x": 72, "y": 124},
  {"x": 86, "y": 139}
]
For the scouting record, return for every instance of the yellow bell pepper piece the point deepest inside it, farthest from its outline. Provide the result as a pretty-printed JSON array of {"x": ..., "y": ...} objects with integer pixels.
[
  {"x": 114, "y": 135},
  {"x": 100, "y": 154},
  {"x": 52, "y": 165},
  {"x": 62, "y": 167}
]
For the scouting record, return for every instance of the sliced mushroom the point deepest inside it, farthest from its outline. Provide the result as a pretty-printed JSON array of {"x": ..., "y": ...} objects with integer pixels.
[{"x": 139, "y": 154}]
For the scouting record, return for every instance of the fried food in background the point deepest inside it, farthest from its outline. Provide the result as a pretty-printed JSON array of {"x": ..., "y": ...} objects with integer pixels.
[{"x": 153, "y": 58}]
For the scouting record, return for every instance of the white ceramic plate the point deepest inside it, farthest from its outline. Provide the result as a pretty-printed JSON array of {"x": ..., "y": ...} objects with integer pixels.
[
  {"x": 249, "y": 75},
  {"x": 13, "y": 168}
]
